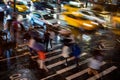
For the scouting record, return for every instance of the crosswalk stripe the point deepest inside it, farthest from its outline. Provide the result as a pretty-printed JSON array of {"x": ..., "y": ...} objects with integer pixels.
[
  {"x": 22, "y": 45},
  {"x": 54, "y": 51},
  {"x": 54, "y": 57},
  {"x": 80, "y": 73},
  {"x": 27, "y": 53},
  {"x": 59, "y": 63},
  {"x": 48, "y": 77},
  {"x": 25, "y": 48},
  {"x": 71, "y": 67},
  {"x": 103, "y": 73}
]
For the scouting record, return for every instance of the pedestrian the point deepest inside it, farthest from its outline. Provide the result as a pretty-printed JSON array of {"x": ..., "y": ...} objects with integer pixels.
[
  {"x": 46, "y": 39},
  {"x": 94, "y": 63},
  {"x": 76, "y": 51},
  {"x": 86, "y": 3},
  {"x": 16, "y": 31},
  {"x": 39, "y": 49},
  {"x": 66, "y": 52},
  {"x": 52, "y": 37}
]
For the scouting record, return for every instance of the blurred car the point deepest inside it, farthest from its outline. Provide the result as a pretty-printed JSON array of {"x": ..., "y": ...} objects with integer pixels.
[
  {"x": 43, "y": 18},
  {"x": 116, "y": 25},
  {"x": 80, "y": 22},
  {"x": 91, "y": 15},
  {"x": 43, "y": 6},
  {"x": 73, "y": 6},
  {"x": 20, "y": 6},
  {"x": 3, "y": 6}
]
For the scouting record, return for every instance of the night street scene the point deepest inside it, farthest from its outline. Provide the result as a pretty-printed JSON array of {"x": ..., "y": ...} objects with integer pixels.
[{"x": 59, "y": 39}]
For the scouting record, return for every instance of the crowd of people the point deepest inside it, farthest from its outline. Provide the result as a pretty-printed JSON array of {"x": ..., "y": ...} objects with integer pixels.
[{"x": 40, "y": 46}]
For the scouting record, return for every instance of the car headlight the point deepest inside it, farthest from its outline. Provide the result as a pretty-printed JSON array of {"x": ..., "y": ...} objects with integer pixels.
[{"x": 85, "y": 24}]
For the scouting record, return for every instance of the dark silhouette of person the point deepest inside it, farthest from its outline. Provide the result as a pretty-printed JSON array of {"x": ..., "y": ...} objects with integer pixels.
[{"x": 46, "y": 39}]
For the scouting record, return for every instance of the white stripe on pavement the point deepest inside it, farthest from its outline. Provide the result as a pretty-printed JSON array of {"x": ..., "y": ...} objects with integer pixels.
[
  {"x": 54, "y": 57},
  {"x": 54, "y": 51},
  {"x": 71, "y": 67},
  {"x": 48, "y": 77},
  {"x": 22, "y": 45},
  {"x": 80, "y": 73},
  {"x": 103, "y": 73},
  {"x": 26, "y": 53},
  {"x": 25, "y": 48},
  {"x": 59, "y": 63}
]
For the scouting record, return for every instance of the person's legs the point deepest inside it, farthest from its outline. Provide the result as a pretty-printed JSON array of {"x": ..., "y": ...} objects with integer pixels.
[
  {"x": 46, "y": 44},
  {"x": 66, "y": 62},
  {"x": 76, "y": 61},
  {"x": 51, "y": 43},
  {"x": 44, "y": 66},
  {"x": 90, "y": 71}
]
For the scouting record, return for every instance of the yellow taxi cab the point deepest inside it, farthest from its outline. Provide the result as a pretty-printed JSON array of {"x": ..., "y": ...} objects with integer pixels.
[
  {"x": 116, "y": 25},
  {"x": 79, "y": 21},
  {"x": 20, "y": 6}
]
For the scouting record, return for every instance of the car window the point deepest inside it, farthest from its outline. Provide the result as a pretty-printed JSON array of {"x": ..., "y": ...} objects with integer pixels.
[
  {"x": 82, "y": 18},
  {"x": 77, "y": 17},
  {"x": 99, "y": 16},
  {"x": 48, "y": 16},
  {"x": 71, "y": 16},
  {"x": 37, "y": 15},
  {"x": 84, "y": 12},
  {"x": 73, "y": 6},
  {"x": 19, "y": 3}
]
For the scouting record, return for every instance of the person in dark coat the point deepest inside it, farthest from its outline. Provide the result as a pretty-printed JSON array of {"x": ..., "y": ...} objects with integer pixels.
[{"x": 46, "y": 39}]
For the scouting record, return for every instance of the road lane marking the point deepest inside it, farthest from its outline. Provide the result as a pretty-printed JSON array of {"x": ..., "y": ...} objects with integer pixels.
[
  {"x": 26, "y": 53},
  {"x": 54, "y": 57},
  {"x": 59, "y": 63}
]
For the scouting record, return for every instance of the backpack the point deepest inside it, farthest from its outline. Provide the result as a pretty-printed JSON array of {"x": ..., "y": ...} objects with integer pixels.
[{"x": 76, "y": 50}]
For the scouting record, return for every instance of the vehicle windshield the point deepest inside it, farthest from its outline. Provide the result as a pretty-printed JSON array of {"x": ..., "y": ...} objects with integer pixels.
[
  {"x": 77, "y": 17},
  {"x": 82, "y": 18},
  {"x": 48, "y": 16},
  {"x": 73, "y": 6},
  {"x": 37, "y": 15},
  {"x": 19, "y": 3},
  {"x": 99, "y": 16},
  {"x": 85, "y": 12}
]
